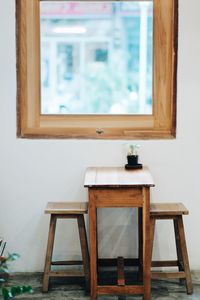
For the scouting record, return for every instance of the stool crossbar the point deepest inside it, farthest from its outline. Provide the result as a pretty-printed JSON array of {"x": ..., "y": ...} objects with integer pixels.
[
  {"x": 66, "y": 210},
  {"x": 174, "y": 212}
]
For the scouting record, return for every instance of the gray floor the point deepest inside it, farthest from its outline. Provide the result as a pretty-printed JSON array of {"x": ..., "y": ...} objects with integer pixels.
[{"x": 75, "y": 291}]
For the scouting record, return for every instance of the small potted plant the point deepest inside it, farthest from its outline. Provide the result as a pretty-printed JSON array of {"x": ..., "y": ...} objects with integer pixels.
[{"x": 132, "y": 156}]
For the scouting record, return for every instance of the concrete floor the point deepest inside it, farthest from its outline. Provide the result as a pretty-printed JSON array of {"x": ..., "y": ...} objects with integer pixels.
[{"x": 161, "y": 290}]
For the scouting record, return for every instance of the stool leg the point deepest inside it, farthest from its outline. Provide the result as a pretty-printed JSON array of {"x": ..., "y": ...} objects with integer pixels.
[
  {"x": 178, "y": 248},
  {"x": 93, "y": 243},
  {"x": 185, "y": 255},
  {"x": 47, "y": 268},
  {"x": 84, "y": 248}
]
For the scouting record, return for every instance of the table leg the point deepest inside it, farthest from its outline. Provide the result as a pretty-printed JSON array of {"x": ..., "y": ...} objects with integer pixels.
[
  {"x": 93, "y": 244},
  {"x": 146, "y": 245},
  {"x": 97, "y": 242},
  {"x": 140, "y": 245}
]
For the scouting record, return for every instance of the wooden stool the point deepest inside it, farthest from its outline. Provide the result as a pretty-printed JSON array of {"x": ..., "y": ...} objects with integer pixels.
[
  {"x": 66, "y": 210},
  {"x": 172, "y": 211}
]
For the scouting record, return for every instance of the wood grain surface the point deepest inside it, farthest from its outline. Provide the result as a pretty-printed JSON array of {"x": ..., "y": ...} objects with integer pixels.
[
  {"x": 66, "y": 208},
  {"x": 117, "y": 177},
  {"x": 168, "y": 209}
]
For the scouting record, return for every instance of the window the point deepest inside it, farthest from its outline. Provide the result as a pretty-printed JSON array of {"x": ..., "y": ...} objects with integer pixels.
[{"x": 103, "y": 69}]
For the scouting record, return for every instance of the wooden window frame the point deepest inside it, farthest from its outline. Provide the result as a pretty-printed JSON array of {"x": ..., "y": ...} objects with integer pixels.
[{"x": 161, "y": 124}]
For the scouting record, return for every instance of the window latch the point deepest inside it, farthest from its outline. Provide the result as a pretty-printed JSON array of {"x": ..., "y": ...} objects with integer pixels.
[{"x": 99, "y": 131}]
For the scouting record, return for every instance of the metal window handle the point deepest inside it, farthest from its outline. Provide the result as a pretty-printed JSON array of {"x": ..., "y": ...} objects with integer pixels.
[{"x": 99, "y": 131}]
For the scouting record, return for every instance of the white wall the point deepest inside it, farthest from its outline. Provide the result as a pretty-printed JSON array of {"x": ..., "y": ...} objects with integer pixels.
[{"x": 33, "y": 172}]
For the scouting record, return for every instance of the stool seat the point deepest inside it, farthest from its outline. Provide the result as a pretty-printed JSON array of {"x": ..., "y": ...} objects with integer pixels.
[
  {"x": 168, "y": 209},
  {"x": 66, "y": 208}
]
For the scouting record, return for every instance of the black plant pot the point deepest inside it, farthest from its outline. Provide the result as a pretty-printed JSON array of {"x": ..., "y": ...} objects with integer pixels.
[{"x": 132, "y": 160}]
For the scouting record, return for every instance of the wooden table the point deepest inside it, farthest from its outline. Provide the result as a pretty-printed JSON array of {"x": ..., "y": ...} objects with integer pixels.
[{"x": 116, "y": 187}]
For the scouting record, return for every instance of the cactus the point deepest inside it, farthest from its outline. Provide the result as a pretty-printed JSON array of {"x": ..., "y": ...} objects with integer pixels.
[{"x": 133, "y": 149}]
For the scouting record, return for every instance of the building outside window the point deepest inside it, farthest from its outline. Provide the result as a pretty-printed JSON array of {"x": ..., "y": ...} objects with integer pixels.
[{"x": 96, "y": 59}]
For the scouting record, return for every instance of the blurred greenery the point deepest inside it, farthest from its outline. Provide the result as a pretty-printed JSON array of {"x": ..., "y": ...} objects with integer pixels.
[
  {"x": 9, "y": 293},
  {"x": 4, "y": 262},
  {"x": 106, "y": 87}
]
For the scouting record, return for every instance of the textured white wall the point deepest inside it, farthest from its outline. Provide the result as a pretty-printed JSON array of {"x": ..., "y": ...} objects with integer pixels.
[{"x": 33, "y": 172}]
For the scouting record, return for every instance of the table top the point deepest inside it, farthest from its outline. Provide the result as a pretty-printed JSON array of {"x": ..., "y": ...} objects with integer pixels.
[{"x": 117, "y": 177}]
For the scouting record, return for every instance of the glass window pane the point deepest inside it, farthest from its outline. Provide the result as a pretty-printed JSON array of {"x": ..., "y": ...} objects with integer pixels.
[{"x": 96, "y": 57}]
